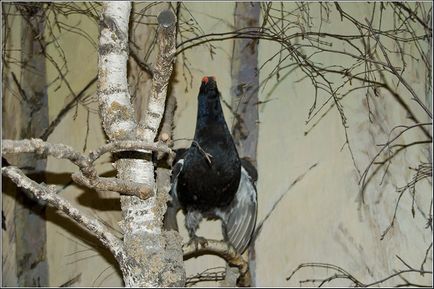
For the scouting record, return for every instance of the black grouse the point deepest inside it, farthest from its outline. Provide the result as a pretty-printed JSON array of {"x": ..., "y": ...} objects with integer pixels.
[{"x": 209, "y": 179}]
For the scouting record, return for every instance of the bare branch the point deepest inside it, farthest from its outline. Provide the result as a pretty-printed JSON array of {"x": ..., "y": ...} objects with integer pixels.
[
  {"x": 395, "y": 72},
  {"x": 413, "y": 14},
  {"x": 223, "y": 250},
  {"x": 297, "y": 180},
  {"x": 210, "y": 274},
  {"x": 115, "y": 185},
  {"x": 42, "y": 148},
  {"x": 363, "y": 180},
  {"x": 424, "y": 171},
  {"x": 163, "y": 70},
  {"x": 129, "y": 145},
  {"x": 48, "y": 194},
  {"x": 89, "y": 176},
  {"x": 341, "y": 273},
  {"x": 66, "y": 109},
  {"x": 20, "y": 89},
  {"x": 167, "y": 125},
  {"x": 426, "y": 257},
  {"x": 114, "y": 99}
]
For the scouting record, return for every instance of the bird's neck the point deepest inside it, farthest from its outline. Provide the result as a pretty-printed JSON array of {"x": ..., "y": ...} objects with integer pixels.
[{"x": 210, "y": 118}]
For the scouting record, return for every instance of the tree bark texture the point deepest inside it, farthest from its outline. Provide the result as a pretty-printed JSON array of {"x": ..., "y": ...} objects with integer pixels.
[
  {"x": 29, "y": 119},
  {"x": 244, "y": 92},
  {"x": 151, "y": 257},
  {"x": 245, "y": 82}
]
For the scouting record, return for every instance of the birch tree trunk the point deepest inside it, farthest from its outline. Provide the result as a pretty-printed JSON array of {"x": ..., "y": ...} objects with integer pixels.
[
  {"x": 151, "y": 256},
  {"x": 244, "y": 92},
  {"x": 27, "y": 119}
]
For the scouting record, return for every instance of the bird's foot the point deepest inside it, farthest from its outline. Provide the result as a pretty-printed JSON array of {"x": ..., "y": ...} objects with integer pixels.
[{"x": 196, "y": 240}]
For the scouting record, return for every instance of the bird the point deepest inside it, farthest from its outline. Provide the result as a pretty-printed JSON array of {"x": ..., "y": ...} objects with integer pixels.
[{"x": 209, "y": 180}]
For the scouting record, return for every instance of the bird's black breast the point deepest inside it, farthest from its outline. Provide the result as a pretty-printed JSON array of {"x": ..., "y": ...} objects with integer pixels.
[{"x": 209, "y": 182}]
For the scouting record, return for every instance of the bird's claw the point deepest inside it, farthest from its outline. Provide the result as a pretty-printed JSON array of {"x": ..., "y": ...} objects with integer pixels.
[{"x": 196, "y": 240}]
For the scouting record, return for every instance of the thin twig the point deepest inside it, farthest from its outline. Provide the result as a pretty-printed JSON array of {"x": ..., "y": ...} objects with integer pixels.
[
  {"x": 396, "y": 73},
  {"x": 66, "y": 109}
]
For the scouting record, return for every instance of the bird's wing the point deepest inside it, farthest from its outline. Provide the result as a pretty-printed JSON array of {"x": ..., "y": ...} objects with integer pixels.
[
  {"x": 246, "y": 162},
  {"x": 176, "y": 169},
  {"x": 173, "y": 206},
  {"x": 240, "y": 218}
]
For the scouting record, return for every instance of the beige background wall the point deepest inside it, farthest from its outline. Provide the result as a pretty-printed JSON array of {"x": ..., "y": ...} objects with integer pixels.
[{"x": 318, "y": 220}]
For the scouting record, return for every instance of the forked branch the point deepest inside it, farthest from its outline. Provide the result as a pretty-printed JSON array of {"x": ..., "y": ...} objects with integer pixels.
[
  {"x": 88, "y": 175},
  {"x": 48, "y": 194}
]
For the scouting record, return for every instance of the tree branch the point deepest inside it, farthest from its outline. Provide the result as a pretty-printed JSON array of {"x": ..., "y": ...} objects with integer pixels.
[
  {"x": 149, "y": 260},
  {"x": 223, "y": 250},
  {"x": 89, "y": 176},
  {"x": 59, "y": 151},
  {"x": 129, "y": 145},
  {"x": 46, "y": 133},
  {"x": 114, "y": 184},
  {"x": 114, "y": 99},
  {"x": 163, "y": 70},
  {"x": 343, "y": 274},
  {"x": 211, "y": 274},
  {"x": 363, "y": 179},
  {"x": 260, "y": 224},
  {"x": 395, "y": 72},
  {"x": 167, "y": 124},
  {"x": 414, "y": 15},
  {"x": 48, "y": 194}
]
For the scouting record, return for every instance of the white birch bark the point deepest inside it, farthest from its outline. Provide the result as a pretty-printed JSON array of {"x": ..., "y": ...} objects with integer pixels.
[
  {"x": 147, "y": 255},
  {"x": 116, "y": 111},
  {"x": 152, "y": 257},
  {"x": 162, "y": 72}
]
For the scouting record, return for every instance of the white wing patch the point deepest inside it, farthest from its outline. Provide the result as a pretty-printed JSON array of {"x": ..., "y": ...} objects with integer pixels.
[
  {"x": 175, "y": 171},
  {"x": 240, "y": 218},
  {"x": 170, "y": 222}
]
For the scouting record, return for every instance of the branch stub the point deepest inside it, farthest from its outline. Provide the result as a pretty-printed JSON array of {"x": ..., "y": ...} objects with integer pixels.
[{"x": 166, "y": 18}]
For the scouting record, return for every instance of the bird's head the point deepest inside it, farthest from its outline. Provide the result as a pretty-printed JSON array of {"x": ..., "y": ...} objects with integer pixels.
[
  {"x": 209, "y": 106},
  {"x": 208, "y": 87}
]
